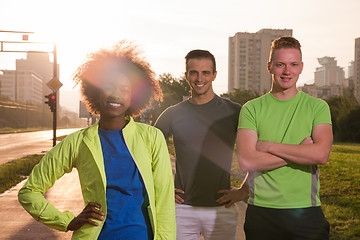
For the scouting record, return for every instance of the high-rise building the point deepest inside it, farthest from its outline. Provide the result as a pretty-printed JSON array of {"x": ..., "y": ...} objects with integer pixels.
[
  {"x": 357, "y": 69},
  {"x": 351, "y": 69},
  {"x": 248, "y": 57},
  {"x": 349, "y": 80},
  {"x": 21, "y": 86},
  {"x": 40, "y": 64},
  {"x": 329, "y": 74}
]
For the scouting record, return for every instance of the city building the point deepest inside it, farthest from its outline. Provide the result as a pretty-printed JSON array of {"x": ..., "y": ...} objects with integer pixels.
[
  {"x": 329, "y": 80},
  {"x": 323, "y": 92},
  {"x": 248, "y": 57},
  {"x": 21, "y": 86},
  {"x": 351, "y": 69},
  {"x": 40, "y": 64},
  {"x": 357, "y": 69},
  {"x": 329, "y": 74},
  {"x": 350, "y": 79}
]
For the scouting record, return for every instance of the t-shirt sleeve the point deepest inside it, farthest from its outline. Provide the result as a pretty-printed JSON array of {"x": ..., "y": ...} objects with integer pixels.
[
  {"x": 322, "y": 113},
  {"x": 247, "y": 117},
  {"x": 164, "y": 122}
]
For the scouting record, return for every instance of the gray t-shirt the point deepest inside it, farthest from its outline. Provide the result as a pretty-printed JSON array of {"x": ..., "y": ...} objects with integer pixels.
[{"x": 204, "y": 137}]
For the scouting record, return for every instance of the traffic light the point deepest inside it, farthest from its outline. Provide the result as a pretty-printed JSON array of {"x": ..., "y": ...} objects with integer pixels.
[{"x": 51, "y": 101}]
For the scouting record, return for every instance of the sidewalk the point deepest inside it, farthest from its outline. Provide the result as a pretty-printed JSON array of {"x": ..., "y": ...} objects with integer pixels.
[
  {"x": 18, "y": 224},
  {"x": 65, "y": 195}
]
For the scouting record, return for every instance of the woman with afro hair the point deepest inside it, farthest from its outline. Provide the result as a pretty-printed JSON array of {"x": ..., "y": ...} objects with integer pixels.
[{"x": 124, "y": 167}]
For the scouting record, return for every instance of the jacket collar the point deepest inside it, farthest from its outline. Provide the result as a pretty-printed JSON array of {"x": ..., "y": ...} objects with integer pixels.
[
  {"x": 92, "y": 131},
  {"x": 92, "y": 141}
]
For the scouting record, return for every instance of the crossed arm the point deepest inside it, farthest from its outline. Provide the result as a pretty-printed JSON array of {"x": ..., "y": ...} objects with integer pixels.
[{"x": 254, "y": 155}]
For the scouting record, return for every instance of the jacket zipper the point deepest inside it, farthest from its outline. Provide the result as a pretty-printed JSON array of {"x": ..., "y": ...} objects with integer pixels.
[{"x": 97, "y": 230}]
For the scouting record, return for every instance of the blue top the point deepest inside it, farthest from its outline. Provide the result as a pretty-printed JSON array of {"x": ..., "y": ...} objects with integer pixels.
[{"x": 126, "y": 197}]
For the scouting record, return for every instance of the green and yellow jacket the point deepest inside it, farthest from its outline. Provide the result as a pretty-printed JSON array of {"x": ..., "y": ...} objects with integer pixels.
[{"x": 82, "y": 150}]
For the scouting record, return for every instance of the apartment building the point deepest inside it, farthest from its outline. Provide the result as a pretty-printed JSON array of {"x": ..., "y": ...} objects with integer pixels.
[
  {"x": 21, "y": 86},
  {"x": 248, "y": 57}
]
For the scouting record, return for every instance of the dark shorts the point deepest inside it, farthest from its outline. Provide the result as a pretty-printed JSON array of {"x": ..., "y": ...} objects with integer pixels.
[{"x": 290, "y": 224}]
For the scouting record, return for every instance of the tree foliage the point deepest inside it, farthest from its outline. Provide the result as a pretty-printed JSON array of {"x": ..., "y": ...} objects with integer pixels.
[
  {"x": 241, "y": 95},
  {"x": 349, "y": 126},
  {"x": 343, "y": 114},
  {"x": 174, "y": 89}
]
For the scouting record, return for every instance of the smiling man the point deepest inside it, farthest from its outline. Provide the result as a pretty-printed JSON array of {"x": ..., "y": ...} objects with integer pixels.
[
  {"x": 282, "y": 137},
  {"x": 204, "y": 131}
]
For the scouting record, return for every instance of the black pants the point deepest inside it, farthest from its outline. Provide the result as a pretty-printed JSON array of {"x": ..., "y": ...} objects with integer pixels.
[{"x": 289, "y": 224}]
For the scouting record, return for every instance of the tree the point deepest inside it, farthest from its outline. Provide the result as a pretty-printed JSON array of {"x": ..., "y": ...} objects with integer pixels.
[
  {"x": 241, "y": 95},
  {"x": 340, "y": 107},
  {"x": 174, "y": 89},
  {"x": 349, "y": 130}
]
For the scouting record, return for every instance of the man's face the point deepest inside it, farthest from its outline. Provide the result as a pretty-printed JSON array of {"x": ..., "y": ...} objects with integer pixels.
[
  {"x": 115, "y": 94},
  {"x": 285, "y": 68},
  {"x": 200, "y": 75}
]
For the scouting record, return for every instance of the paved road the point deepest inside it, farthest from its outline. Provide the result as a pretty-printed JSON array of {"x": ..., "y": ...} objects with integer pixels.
[{"x": 17, "y": 145}]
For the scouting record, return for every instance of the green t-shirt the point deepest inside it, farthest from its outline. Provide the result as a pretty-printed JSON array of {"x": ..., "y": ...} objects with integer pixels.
[{"x": 290, "y": 121}]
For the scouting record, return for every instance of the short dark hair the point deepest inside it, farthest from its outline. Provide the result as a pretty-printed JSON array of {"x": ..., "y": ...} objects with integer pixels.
[
  {"x": 284, "y": 42},
  {"x": 128, "y": 56},
  {"x": 200, "y": 54}
]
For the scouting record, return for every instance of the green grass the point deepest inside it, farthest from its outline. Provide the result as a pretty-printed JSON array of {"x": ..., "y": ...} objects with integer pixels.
[
  {"x": 13, "y": 172},
  {"x": 60, "y": 138},
  {"x": 340, "y": 191},
  {"x": 170, "y": 144},
  {"x": 237, "y": 176}
]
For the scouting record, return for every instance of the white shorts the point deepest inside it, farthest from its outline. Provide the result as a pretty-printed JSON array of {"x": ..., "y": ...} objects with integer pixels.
[{"x": 214, "y": 223}]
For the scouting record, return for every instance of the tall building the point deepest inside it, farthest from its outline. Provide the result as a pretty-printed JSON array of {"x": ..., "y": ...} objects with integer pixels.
[
  {"x": 351, "y": 69},
  {"x": 329, "y": 80},
  {"x": 349, "y": 81},
  {"x": 21, "y": 86},
  {"x": 40, "y": 64},
  {"x": 357, "y": 69},
  {"x": 329, "y": 74},
  {"x": 248, "y": 57}
]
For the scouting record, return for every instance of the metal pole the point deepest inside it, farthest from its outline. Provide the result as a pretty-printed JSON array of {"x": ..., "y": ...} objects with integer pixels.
[
  {"x": 56, "y": 97},
  {"x": 54, "y": 123}
]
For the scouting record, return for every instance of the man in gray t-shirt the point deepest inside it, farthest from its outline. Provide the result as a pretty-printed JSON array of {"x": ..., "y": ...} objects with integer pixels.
[{"x": 204, "y": 132}]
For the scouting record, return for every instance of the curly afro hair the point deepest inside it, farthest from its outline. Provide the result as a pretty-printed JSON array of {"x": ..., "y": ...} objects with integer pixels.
[{"x": 128, "y": 58}]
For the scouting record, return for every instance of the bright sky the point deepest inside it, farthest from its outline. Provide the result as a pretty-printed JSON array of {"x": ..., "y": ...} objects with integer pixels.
[{"x": 166, "y": 30}]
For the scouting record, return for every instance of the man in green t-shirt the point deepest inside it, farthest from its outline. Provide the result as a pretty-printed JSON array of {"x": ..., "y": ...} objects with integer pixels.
[{"x": 282, "y": 137}]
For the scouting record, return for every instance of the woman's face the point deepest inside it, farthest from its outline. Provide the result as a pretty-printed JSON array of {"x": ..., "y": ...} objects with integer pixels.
[{"x": 116, "y": 92}]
